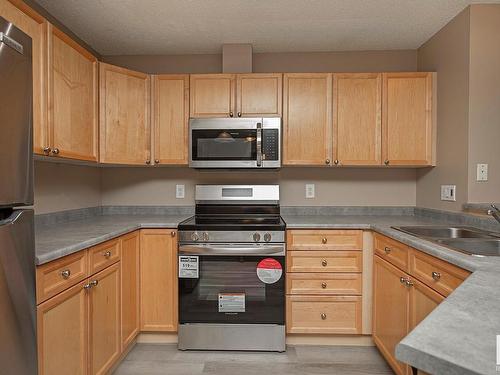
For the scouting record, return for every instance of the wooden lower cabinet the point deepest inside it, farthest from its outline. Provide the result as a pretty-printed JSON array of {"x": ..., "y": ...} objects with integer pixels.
[
  {"x": 158, "y": 280},
  {"x": 62, "y": 325},
  {"x": 130, "y": 287},
  {"x": 422, "y": 301}
]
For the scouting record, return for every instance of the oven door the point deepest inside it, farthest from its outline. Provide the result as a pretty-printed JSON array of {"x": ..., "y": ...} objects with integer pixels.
[{"x": 232, "y": 284}]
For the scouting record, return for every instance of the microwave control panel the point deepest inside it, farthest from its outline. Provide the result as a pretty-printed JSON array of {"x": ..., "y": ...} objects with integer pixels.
[{"x": 270, "y": 144}]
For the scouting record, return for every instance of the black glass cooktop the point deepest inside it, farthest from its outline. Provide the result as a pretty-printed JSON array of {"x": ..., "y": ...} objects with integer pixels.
[{"x": 233, "y": 222}]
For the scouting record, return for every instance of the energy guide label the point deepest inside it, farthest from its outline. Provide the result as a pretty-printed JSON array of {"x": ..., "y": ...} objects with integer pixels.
[{"x": 188, "y": 267}]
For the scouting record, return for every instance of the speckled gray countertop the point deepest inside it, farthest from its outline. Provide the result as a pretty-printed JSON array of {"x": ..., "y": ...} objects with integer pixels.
[{"x": 458, "y": 337}]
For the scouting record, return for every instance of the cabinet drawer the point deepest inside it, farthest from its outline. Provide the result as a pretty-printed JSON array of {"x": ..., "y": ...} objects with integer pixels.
[
  {"x": 324, "y": 283},
  {"x": 302, "y": 239},
  {"x": 441, "y": 276},
  {"x": 58, "y": 275},
  {"x": 321, "y": 314},
  {"x": 392, "y": 251},
  {"x": 324, "y": 261},
  {"x": 103, "y": 255}
]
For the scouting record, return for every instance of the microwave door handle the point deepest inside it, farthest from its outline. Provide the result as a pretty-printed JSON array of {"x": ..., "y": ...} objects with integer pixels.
[{"x": 259, "y": 144}]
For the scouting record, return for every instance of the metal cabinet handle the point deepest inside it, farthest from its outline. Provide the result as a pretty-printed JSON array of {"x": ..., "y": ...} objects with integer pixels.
[
  {"x": 402, "y": 280},
  {"x": 94, "y": 283},
  {"x": 324, "y": 263},
  {"x": 323, "y": 285},
  {"x": 409, "y": 283},
  {"x": 386, "y": 162},
  {"x": 323, "y": 316},
  {"x": 148, "y": 162},
  {"x": 66, "y": 274},
  {"x": 336, "y": 162},
  {"x": 327, "y": 161},
  {"x": 87, "y": 286},
  {"x": 107, "y": 254},
  {"x": 231, "y": 114},
  {"x": 239, "y": 114},
  {"x": 387, "y": 249},
  {"x": 46, "y": 150},
  {"x": 436, "y": 275},
  {"x": 324, "y": 240},
  {"x": 172, "y": 233},
  {"x": 55, "y": 151},
  {"x": 157, "y": 161}
]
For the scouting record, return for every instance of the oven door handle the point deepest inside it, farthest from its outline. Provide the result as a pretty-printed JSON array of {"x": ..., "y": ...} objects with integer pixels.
[{"x": 278, "y": 249}]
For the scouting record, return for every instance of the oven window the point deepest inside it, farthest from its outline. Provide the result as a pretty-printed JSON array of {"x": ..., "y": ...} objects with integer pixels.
[
  {"x": 224, "y": 144},
  {"x": 228, "y": 290}
]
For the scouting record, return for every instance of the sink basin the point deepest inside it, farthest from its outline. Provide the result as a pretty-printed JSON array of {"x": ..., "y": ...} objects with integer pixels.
[
  {"x": 444, "y": 232},
  {"x": 476, "y": 247}
]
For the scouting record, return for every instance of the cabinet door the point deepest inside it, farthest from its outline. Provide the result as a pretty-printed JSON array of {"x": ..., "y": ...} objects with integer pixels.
[
  {"x": 35, "y": 26},
  {"x": 62, "y": 326},
  {"x": 307, "y": 119},
  {"x": 130, "y": 287},
  {"x": 125, "y": 136},
  {"x": 72, "y": 98},
  {"x": 104, "y": 320},
  {"x": 212, "y": 95},
  {"x": 158, "y": 280},
  {"x": 170, "y": 118},
  {"x": 422, "y": 301},
  {"x": 357, "y": 121},
  {"x": 259, "y": 94},
  {"x": 390, "y": 311},
  {"x": 407, "y": 119}
]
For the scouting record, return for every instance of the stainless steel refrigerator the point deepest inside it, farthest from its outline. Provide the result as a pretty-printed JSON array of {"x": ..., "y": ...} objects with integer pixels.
[{"x": 18, "y": 354}]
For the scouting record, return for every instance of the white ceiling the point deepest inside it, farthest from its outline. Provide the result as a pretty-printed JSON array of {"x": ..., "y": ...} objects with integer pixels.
[{"x": 134, "y": 27}]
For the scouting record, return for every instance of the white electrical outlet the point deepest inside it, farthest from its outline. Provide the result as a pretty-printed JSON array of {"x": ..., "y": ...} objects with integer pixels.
[
  {"x": 310, "y": 193},
  {"x": 448, "y": 193},
  {"x": 179, "y": 191},
  {"x": 482, "y": 172}
]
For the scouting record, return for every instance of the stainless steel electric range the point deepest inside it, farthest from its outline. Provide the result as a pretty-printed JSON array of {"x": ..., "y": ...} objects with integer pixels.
[{"x": 232, "y": 270}]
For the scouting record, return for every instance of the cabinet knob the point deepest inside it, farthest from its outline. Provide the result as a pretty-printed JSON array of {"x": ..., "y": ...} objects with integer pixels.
[
  {"x": 231, "y": 114},
  {"x": 46, "y": 150},
  {"x": 94, "y": 283},
  {"x": 172, "y": 233},
  {"x": 66, "y": 274},
  {"x": 327, "y": 161},
  {"x": 386, "y": 162},
  {"x": 387, "y": 249},
  {"x": 409, "y": 283},
  {"x": 323, "y": 285},
  {"x": 436, "y": 275},
  {"x": 324, "y": 240},
  {"x": 336, "y": 162},
  {"x": 324, "y": 263},
  {"x": 239, "y": 114},
  {"x": 107, "y": 254},
  {"x": 55, "y": 151},
  {"x": 148, "y": 162},
  {"x": 87, "y": 286},
  {"x": 402, "y": 280},
  {"x": 323, "y": 316},
  {"x": 157, "y": 161}
]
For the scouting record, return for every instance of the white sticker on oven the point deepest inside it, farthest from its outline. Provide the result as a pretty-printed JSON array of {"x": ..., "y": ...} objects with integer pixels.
[
  {"x": 269, "y": 270},
  {"x": 231, "y": 302},
  {"x": 188, "y": 266}
]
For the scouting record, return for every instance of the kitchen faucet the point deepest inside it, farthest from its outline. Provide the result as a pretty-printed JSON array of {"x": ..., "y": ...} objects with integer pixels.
[{"x": 495, "y": 212}]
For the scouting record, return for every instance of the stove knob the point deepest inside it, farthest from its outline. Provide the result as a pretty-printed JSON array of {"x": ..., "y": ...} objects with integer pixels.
[
  {"x": 195, "y": 236},
  {"x": 256, "y": 237},
  {"x": 205, "y": 236},
  {"x": 267, "y": 237}
]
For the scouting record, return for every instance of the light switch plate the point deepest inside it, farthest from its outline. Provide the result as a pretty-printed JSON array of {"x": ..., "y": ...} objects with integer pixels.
[
  {"x": 482, "y": 172},
  {"x": 449, "y": 193},
  {"x": 310, "y": 191},
  {"x": 179, "y": 191}
]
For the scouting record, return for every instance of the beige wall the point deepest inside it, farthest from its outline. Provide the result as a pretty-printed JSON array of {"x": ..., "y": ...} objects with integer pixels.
[
  {"x": 484, "y": 101},
  {"x": 447, "y": 53},
  {"x": 61, "y": 187},
  {"x": 342, "y": 187},
  {"x": 357, "y": 61}
]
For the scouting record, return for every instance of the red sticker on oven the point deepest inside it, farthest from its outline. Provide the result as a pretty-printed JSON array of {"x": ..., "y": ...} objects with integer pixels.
[{"x": 269, "y": 270}]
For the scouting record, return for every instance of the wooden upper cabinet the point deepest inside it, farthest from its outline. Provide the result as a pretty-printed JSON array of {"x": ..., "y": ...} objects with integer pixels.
[
  {"x": 259, "y": 95},
  {"x": 408, "y": 118},
  {"x": 72, "y": 98},
  {"x": 170, "y": 118},
  {"x": 357, "y": 119},
  {"x": 212, "y": 95},
  {"x": 35, "y": 26},
  {"x": 307, "y": 119},
  {"x": 125, "y": 136}
]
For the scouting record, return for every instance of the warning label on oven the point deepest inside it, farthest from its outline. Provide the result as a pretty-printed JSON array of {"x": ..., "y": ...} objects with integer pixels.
[
  {"x": 231, "y": 302},
  {"x": 269, "y": 270},
  {"x": 188, "y": 267}
]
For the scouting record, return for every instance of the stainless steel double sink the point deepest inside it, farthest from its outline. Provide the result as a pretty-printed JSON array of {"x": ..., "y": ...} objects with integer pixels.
[{"x": 472, "y": 241}]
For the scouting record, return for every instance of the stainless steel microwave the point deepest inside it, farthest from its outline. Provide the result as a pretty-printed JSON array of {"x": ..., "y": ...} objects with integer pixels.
[{"x": 235, "y": 143}]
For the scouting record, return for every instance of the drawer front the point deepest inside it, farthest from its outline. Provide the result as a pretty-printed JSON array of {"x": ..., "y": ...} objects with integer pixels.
[
  {"x": 392, "y": 251},
  {"x": 324, "y": 283},
  {"x": 321, "y": 314},
  {"x": 104, "y": 255},
  {"x": 441, "y": 276},
  {"x": 324, "y": 261},
  {"x": 58, "y": 275},
  {"x": 302, "y": 239}
]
